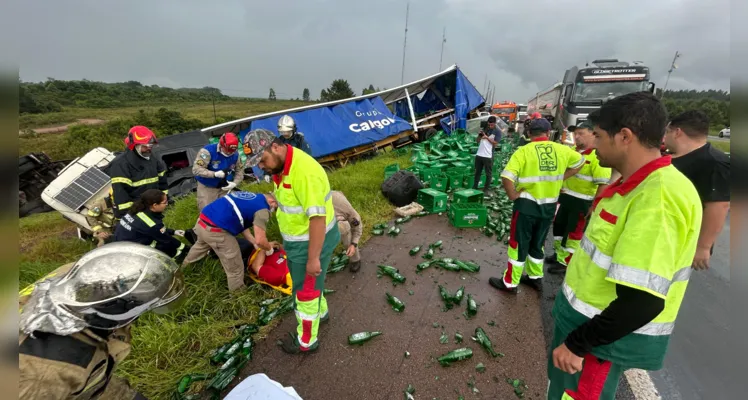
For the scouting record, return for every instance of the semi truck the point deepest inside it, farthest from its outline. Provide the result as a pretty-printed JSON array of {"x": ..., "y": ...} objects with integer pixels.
[
  {"x": 585, "y": 89},
  {"x": 506, "y": 110}
]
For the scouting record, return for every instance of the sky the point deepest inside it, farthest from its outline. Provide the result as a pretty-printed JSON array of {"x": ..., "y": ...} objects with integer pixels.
[{"x": 245, "y": 47}]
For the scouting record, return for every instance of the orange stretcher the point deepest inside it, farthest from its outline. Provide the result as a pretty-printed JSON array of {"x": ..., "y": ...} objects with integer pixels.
[{"x": 284, "y": 288}]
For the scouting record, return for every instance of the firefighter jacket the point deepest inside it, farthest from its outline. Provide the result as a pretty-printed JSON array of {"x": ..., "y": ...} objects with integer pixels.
[
  {"x": 131, "y": 176},
  {"x": 148, "y": 228},
  {"x": 298, "y": 141}
]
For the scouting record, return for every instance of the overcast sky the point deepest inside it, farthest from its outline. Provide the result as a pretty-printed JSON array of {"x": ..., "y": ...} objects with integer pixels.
[{"x": 245, "y": 47}]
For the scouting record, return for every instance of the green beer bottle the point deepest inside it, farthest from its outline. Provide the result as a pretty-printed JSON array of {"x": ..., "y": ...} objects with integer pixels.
[
  {"x": 381, "y": 225},
  {"x": 472, "y": 306},
  {"x": 186, "y": 381},
  {"x": 377, "y": 232},
  {"x": 415, "y": 250},
  {"x": 445, "y": 297},
  {"x": 420, "y": 267},
  {"x": 217, "y": 354},
  {"x": 400, "y": 221},
  {"x": 362, "y": 337},
  {"x": 422, "y": 213},
  {"x": 448, "y": 260},
  {"x": 328, "y": 291},
  {"x": 246, "y": 330},
  {"x": 482, "y": 338},
  {"x": 455, "y": 355},
  {"x": 247, "y": 347},
  {"x": 429, "y": 254},
  {"x": 387, "y": 269},
  {"x": 436, "y": 244},
  {"x": 457, "y": 298},
  {"x": 450, "y": 267},
  {"x": 396, "y": 303}
]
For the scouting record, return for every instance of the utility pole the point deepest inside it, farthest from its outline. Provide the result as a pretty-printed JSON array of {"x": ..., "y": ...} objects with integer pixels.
[
  {"x": 444, "y": 40},
  {"x": 670, "y": 71},
  {"x": 405, "y": 42},
  {"x": 485, "y": 81}
]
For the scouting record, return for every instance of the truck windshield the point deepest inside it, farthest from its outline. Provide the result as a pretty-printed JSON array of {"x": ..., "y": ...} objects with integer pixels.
[
  {"x": 507, "y": 110},
  {"x": 593, "y": 91}
]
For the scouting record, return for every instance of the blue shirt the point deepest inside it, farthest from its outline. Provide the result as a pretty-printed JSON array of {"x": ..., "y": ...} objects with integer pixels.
[
  {"x": 235, "y": 212},
  {"x": 219, "y": 162}
]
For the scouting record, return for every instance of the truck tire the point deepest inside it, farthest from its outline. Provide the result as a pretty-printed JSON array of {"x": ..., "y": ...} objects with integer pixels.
[
  {"x": 428, "y": 134},
  {"x": 25, "y": 166},
  {"x": 36, "y": 206},
  {"x": 721, "y": 134}
]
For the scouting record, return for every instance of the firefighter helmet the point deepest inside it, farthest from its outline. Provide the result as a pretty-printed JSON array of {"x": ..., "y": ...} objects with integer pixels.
[
  {"x": 228, "y": 143},
  {"x": 286, "y": 126},
  {"x": 139, "y": 134}
]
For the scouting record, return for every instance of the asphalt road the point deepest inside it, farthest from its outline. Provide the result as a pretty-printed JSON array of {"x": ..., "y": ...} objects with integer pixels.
[
  {"x": 696, "y": 366},
  {"x": 719, "y": 139}
]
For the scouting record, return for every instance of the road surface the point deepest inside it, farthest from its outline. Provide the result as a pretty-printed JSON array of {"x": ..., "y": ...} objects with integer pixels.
[{"x": 719, "y": 139}]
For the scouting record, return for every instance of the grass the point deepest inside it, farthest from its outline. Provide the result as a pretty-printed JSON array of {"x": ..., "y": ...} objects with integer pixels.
[
  {"x": 165, "y": 347},
  {"x": 723, "y": 145}
]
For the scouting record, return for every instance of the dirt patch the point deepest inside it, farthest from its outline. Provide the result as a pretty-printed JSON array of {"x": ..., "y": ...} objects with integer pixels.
[
  {"x": 64, "y": 128},
  {"x": 379, "y": 369}
]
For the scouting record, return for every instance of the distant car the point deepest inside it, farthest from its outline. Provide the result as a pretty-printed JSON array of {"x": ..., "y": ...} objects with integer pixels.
[{"x": 724, "y": 132}]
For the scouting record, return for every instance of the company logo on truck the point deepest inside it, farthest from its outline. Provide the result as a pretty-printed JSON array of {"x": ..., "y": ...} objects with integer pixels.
[
  {"x": 614, "y": 71},
  {"x": 371, "y": 123}
]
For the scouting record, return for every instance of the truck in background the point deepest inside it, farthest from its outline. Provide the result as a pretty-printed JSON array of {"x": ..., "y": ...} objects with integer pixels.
[
  {"x": 506, "y": 110},
  {"x": 584, "y": 90}
]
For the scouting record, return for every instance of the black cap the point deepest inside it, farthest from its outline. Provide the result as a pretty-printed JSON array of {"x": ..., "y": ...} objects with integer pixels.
[
  {"x": 540, "y": 125},
  {"x": 586, "y": 125},
  {"x": 492, "y": 119}
]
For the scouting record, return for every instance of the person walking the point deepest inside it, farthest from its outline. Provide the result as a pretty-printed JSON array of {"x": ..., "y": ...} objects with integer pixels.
[
  {"x": 306, "y": 218},
  {"x": 622, "y": 291},
  {"x": 217, "y": 169},
  {"x": 487, "y": 140},
  {"x": 532, "y": 179}
]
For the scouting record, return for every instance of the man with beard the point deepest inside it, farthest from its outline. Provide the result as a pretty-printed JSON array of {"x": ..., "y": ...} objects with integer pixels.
[{"x": 307, "y": 223}]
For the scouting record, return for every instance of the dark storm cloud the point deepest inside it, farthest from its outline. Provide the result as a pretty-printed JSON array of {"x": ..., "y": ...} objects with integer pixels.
[{"x": 246, "y": 47}]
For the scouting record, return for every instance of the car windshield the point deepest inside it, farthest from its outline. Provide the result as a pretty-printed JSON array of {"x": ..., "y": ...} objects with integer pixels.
[
  {"x": 502, "y": 110},
  {"x": 593, "y": 91}
]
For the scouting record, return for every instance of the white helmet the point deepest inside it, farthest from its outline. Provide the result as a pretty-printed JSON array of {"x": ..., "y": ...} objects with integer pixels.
[{"x": 286, "y": 126}]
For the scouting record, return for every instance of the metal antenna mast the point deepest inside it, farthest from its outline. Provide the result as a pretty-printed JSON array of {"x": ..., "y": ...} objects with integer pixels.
[
  {"x": 670, "y": 71},
  {"x": 444, "y": 40},
  {"x": 405, "y": 42}
]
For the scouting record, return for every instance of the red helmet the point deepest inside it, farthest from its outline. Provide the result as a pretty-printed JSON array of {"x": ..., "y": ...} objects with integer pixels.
[
  {"x": 536, "y": 115},
  {"x": 140, "y": 135},
  {"x": 228, "y": 143}
]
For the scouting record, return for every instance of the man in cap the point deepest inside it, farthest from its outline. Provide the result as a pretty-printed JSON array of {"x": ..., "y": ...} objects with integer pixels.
[
  {"x": 217, "y": 169},
  {"x": 306, "y": 218},
  {"x": 75, "y": 322},
  {"x": 289, "y": 135}
]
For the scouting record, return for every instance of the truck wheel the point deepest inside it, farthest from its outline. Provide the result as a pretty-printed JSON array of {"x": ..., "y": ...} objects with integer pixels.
[
  {"x": 721, "y": 134},
  {"x": 424, "y": 136}
]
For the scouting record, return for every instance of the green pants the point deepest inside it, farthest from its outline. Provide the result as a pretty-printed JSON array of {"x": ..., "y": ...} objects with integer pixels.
[
  {"x": 568, "y": 226},
  {"x": 598, "y": 379},
  {"x": 526, "y": 237},
  {"x": 310, "y": 304}
]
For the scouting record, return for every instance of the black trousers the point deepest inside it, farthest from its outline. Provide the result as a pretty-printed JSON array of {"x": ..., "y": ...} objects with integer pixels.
[{"x": 483, "y": 163}]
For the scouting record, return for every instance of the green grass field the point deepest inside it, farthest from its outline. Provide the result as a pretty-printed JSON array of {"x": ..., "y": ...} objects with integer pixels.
[
  {"x": 723, "y": 145},
  {"x": 165, "y": 347}
]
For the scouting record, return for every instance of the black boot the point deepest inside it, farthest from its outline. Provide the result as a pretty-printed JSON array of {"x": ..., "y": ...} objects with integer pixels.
[
  {"x": 536, "y": 284},
  {"x": 355, "y": 266},
  {"x": 291, "y": 345},
  {"x": 557, "y": 268},
  {"x": 498, "y": 283},
  {"x": 190, "y": 235},
  {"x": 552, "y": 258}
]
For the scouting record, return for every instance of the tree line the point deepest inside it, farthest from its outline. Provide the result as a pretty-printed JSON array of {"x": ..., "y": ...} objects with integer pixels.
[
  {"x": 339, "y": 89},
  {"x": 714, "y": 103}
]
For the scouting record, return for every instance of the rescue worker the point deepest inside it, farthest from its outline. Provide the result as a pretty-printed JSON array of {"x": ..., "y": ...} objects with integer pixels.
[
  {"x": 289, "y": 135},
  {"x": 532, "y": 179},
  {"x": 217, "y": 169},
  {"x": 100, "y": 218},
  {"x": 621, "y": 294},
  {"x": 575, "y": 200},
  {"x": 306, "y": 218},
  {"x": 144, "y": 224},
  {"x": 74, "y": 326},
  {"x": 136, "y": 170},
  {"x": 271, "y": 266},
  {"x": 218, "y": 225},
  {"x": 350, "y": 226}
]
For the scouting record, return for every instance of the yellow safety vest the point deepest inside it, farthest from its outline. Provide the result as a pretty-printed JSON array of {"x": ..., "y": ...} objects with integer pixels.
[
  {"x": 642, "y": 234},
  {"x": 302, "y": 191},
  {"x": 584, "y": 184}
]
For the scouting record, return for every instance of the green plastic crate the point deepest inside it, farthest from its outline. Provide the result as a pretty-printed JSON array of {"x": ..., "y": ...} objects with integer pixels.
[
  {"x": 468, "y": 196},
  {"x": 439, "y": 182},
  {"x": 427, "y": 173},
  {"x": 432, "y": 200},
  {"x": 468, "y": 215},
  {"x": 455, "y": 181},
  {"x": 468, "y": 180}
]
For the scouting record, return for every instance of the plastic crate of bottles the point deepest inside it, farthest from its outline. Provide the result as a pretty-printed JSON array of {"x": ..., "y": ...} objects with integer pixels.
[
  {"x": 468, "y": 215},
  {"x": 427, "y": 173},
  {"x": 468, "y": 196},
  {"x": 432, "y": 200},
  {"x": 439, "y": 182},
  {"x": 390, "y": 170},
  {"x": 467, "y": 181},
  {"x": 455, "y": 180}
]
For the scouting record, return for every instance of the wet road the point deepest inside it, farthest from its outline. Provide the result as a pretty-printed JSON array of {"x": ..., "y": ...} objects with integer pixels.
[{"x": 696, "y": 365}]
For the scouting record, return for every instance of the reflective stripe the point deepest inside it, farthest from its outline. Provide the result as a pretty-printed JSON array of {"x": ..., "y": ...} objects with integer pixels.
[
  {"x": 328, "y": 196},
  {"x": 590, "y": 311},
  {"x": 144, "y": 182},
  {"x": 578, "y": 164},
  {"x": 601, "y": 180},
  {"x": 509, "y": 175},
  {"x": 558, "y": 238},
  {"x": 124, "y": 206},
  {"x": 517, "y": 263},
  {"x": 307, "y": 345},
  {"x": 543, "y": 178},
  {"x": 236, "y": 210},
  {"x": 148, "y": 221},
  {"x": 153, "y": 244},
  {"x": 601, "y": 260},
  {"x": 179, "y": 250},
  {"x": 96, "y": 228},
  {"x": 166, "y": 191},
  {"x": 122, "y": 180},
  {"x": 316, "y": 210},
  {"x": 583, "y": 177},
  {"x": 306, "y": 317},
  {"x": 162, "y": 173},
  {"x": 528, "y": 196},
  {"x": 290, "y": 210},
  {"x": 305, "y": 237},
  {"x": 535, "y": 260},
  {"x": 577, "y": 194}
]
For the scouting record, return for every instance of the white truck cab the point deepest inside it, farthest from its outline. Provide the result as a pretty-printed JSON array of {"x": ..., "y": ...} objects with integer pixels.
[{"x": 79, "y": 185}]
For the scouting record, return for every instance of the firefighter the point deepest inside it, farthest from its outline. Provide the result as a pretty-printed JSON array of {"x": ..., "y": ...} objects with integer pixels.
[
  {"x": 74, "y": 326},
  {"x": 100, "y": 218},
  {"x": 221, "y": 221},
  {"x": 136, "y": 170},
  {"x": 306, "y": 218},
  {"x": 144, "y": 224},
  {"x": 532, "y": 179},
  {"x": 217, "y": 169},
  {"x": 350, "y": 226},
  {"x": 289, "y": 135},
  {"x": 619, "y": 300},
  {"x": 575, "y": 200}
]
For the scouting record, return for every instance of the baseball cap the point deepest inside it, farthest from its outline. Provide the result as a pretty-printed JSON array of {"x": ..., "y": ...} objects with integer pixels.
[
  {"x": 586, "y": 125},
  {"x": 255, "y": 143},
  {"x": 541, "y": 125}
]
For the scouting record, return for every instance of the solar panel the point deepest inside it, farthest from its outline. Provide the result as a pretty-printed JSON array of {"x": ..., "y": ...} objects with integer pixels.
[{"x": 78, "y": 192}]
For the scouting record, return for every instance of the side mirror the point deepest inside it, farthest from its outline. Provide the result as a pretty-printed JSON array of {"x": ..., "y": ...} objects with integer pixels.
[{"x": 651, "y": 87}]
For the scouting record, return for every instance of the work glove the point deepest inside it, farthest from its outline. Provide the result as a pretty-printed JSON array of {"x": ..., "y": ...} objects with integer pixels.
[
  {"x": 219, "y": 174},
  {"x": 179, "y": 232},
  {"x": 229, "y": 186},
  {"x": 267, "y": 178}
]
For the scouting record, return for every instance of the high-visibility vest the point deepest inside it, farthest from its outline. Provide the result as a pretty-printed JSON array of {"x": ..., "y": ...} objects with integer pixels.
[
  {"x": 584, "y": 184},
  {"x": 642, "y": 234},
  {"x": 302, "y": 191},
  {"x": 537, "y": 169}
]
